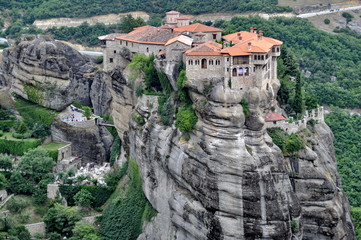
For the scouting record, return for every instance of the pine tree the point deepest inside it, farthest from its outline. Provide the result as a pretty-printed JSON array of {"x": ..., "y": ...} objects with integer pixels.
[{"x": 298, "y": 104}]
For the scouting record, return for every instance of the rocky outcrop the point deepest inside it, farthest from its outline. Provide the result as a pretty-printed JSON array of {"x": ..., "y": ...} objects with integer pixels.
[
  {"x": 48, "y": 72},
  {"x": 91, "y": 144},
  {"x": 229, "y": 181}
]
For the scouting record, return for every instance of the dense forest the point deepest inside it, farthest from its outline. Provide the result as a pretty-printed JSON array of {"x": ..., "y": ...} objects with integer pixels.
[{"x": 43, "y": 9}]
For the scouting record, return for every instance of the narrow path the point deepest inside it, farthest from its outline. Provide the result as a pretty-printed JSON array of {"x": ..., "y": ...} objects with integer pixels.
[{"x": 307, "y": 15}]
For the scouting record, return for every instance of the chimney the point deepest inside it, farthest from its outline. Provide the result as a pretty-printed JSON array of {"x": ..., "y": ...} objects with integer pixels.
[
  {"x": 239, "y": 37},
  {"x": 249, "y": 46},
  {"x": 251, "y": 29},
  {"x": 260, "y": 35}
]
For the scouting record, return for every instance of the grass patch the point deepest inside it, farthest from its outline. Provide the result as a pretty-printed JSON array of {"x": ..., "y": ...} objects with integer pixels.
[
  {"x": 28, "y": 214},
  {"x": 52, "y": 149},
  {"x": 11, "y": 145}
]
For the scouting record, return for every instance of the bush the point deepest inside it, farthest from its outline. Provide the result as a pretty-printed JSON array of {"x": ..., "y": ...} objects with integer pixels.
[
  {"x": 166, "y": 110},
  {"x": 18, "y": 147},
  {"x": 186, "y": 119},
  {"x": 327, "y": 21},
  {"x": 138, "y": 118},
  {"x": 83, "y": 198},
  {"x": 287, "y": 143},
  {"x": 1, "y": 133},
  {"x": 99, "y": 60},
  {"x": 16, "y": 205},
  {"x": 245, "y": 107},
  {"x": 294, "y": 143}
]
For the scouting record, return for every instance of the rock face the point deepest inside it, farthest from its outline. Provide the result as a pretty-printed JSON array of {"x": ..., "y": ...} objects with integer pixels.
[
  {"x": 92, "y": 144},
  {"x": 48, "y": 72},
  {"x": 229, "y": 181}
]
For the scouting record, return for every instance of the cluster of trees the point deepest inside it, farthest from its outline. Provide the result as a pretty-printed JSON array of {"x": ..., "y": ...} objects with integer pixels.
[
  {"x": 44, "y": 9},
  {"x": 323, "y": 54}
]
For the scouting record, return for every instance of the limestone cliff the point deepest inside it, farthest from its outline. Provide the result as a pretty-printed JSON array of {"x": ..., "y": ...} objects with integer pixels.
[
  {"x": 48, "y": 72},
  {"x": 229, "y": 181}
]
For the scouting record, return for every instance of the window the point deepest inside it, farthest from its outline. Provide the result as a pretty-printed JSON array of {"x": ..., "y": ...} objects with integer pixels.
[
  {"x": 246, "y": 71},
  {"x": 204, "y": 63},
  {"x": 115, "y": 51},
  {"x": 214, "y": 35},
  {"x": 240, "y": 72},
  {"x": 227, "y": 69},
  {"x": 196, "y": 62},
  {"x": 111, "y": 60},
  {"x": 210, "y": 62},
  {"x": 126, "y": 43},
  {"x": 241, "y": 60},
  {"x": 132, "y": 45},
  {"x": 273, "y": 49},
  {"x": 190, "y": 62},
  {"x": 255, "y": 57},
  {"x": 234, "y": 72},
  {"x": 218, "y": 62},
  {"x": 262, "y": 57},
  {"x": 228, "y": 59},
  {"x": 121, "y": 42},
  {"x": 278, "y": 49}
]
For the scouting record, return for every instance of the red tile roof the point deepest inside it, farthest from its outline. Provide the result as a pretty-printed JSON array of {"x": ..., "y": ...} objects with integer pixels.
[
  {"x": 150, "y": 35},
  {"x": 272, "y": 117},
  {"x": 197, "y": 27},
  {"x": 172, "y": 12},
  {"x": 206, "y": 49}
]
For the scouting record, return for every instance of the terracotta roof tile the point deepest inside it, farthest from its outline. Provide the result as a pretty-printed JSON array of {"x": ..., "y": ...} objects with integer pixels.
[
  {"x": 172, "y": 12},
  {"x": 150, "y": 35},
  {"x": 197, "y": 27},
  {"x": 181, "y": 38},
  {"x": 272, "y": 117},
  {"x": 206, "y": 49}
]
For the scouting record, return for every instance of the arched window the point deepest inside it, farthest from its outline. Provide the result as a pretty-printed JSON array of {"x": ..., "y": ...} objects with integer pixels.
[
  {"x": 240, "y": 71},
  {"x": 246, "y": 71},
  {"x": 147, "y": 49},
  {"x": 190, "y": 62},
  {"x": 234, "y": 72},
  {"x": 204, "y": 63},
  {"x": 211, "y": 62},
  {"x": 197, "y": 62},
  {"x": 218, "y": 62}
]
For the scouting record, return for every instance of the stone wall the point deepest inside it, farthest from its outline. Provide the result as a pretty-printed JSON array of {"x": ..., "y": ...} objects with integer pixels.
[
  {"x": 36, "y": 228},
  {"x": 53, "y": 191},
  {"x": 296, "y": 126},
  {"x": 64, "y": 152}
]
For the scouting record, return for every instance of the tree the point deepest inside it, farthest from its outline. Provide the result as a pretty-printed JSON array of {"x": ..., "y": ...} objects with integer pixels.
[
  {"x": 6, "y": 162},
  {"x": 83, "y": 231},
  {"x": 22, "y": 128},
  {"x": 298, "y": 104},
  {"x": 3, "y": 181},
  {"x": 87, "y": 112},
  {"x": 83, "y": 198},
  {"x": 128, "y": 23},
  {"x": 20, "y": 232},
  {"x": 60, "y": 219}
]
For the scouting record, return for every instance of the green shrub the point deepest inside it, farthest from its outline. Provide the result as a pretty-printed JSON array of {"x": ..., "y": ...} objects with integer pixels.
[
  {"x": 327, "y": 21},
  {"x": 245, "y": 107},
  {"x": 138, "y": 118},
  {"x": 287, "y": 143},
  {"x": 348, "y": 16},
  {"x": 186, "y": 119},
  {"x": 1, "y": 133},
  {"x": 166, "y": 109},
  {"x": 18, "y": 147},
  {"x": 16, "y": 205},
  {"x": 294, "y": 226},
  {"x": 99, "y": 59},
  {"x": 139, "y": 90},
  {"x": 22, "y": 128},
  {"x": 6, "y": 125},
  {"x": 294, "y": 143},
  {"x": 123, "y": 218},
  {"x": 115, "y": 150}
]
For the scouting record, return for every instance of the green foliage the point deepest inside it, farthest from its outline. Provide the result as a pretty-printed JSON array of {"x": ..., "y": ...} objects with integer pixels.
[
  {"x": 99, "y": 59},
  {"x": 123, "y": 217},
  {"x": 20, "y": 232},
  {"x": 6, "y": 162},
  {"x": 17, "y": 147},
  {"x": 16, "y": 205},
  {"x": 99, "y": 194},
  {"x": 327, "y": 21},
  {"x": 83, "y": 198},
  {"x": 36, "y": 117},
  {"x": 6, "y": 125},
  {"x": 22, "y": 128},
  {"x": 287, "y": 143},
  {"x": 84, "y": 231},
  {"x": 166, "y": 109},
  {"x": 321, "y": 53},
  {"x": 294, "y": 226},
  {"x": 3, "y": 181},
  {"x": 298, "y": 105},
  {"x": 348, "y": 16},
  {"x": 115, "y": 150},
  {"x": 186, "y": 119},
  {"x": 112, "y": 178},
  {"x": 139, "y": 90},
  {"x": 34, "y": 95},
  {"x": 138, "y": 118},
  {"x": 61, "y": 219},
  {"x": 87, "y": 112},
  {"x": 356, "y": 220},
  {"x": 128, "y": 23},
  {"x": 34, "y": 168},
  {"x": 347, "y": 132},
  {"x": 245, "y": 107}
]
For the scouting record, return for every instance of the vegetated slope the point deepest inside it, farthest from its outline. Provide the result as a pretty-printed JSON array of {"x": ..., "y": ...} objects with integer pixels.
[
  {"x": 347, "y": 131},
  {"x": 321, "y": 53},
  {"x": 43, "y": 9}
]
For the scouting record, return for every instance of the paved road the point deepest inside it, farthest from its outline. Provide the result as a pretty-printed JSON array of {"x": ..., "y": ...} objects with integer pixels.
[
  {"x": 91, "y": 53},
  {"x": 307, "y": 15}
]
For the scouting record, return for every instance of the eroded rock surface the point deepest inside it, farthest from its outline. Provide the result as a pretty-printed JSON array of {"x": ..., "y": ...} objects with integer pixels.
[
  {"x": 48, "y": 72},
  {"x": 229, "y": 181}
]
